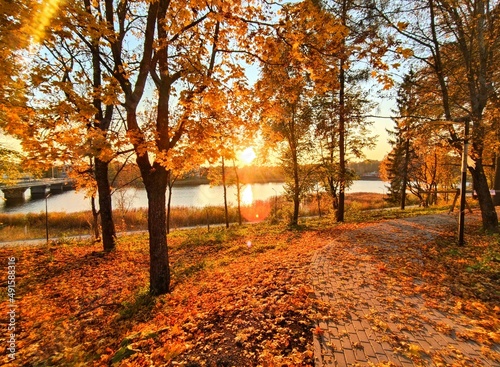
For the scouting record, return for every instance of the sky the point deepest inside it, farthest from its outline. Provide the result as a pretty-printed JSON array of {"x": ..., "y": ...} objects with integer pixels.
[
  {"x": 382, "y": 147},
  {"x": 379, "y": 128}
]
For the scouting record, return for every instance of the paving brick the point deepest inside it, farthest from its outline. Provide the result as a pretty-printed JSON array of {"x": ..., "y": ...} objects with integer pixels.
[
  {"x": 390, "y": 357},
  {"x": 316, "y": 347},
  {"x": 362, "y": 336},
  {"x": 407, "y": 364},
  {"x": 368, "y": 349},
  {"x": 377, "y": 347},
  {"x": 425, "y": 345},
  {"x": 350, "y": 357},
  {"x": 323, "y": 325},
  {"x": 354, "y": 338},
  {"x": 349, "y": 327},
  {"x": 336, "y": 344},
  {"x": 358, "y": 326},
  {"x": 360, "y": 354},
  {"x": 387, "y": 347},
  {"x": 340, "y": 360},
  {"x": 348, "y": 342}
]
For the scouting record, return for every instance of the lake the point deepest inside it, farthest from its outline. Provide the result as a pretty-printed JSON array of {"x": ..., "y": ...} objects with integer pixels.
[{"x": 192, "y": 196}]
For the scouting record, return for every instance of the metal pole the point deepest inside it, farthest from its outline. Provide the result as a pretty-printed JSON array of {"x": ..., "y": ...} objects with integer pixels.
[
  {"x": 463, "y": 187},
  {"x": 46, "y": 219}
]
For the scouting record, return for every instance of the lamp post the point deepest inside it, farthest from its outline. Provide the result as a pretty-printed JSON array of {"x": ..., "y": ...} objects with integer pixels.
[
  {"x": 463, "y": 178},
  {"x": 47, "y": 219},
  {"x": 463, "y": 186}
]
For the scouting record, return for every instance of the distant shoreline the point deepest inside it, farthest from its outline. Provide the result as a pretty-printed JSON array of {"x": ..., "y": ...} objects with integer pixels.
[
  {"x": 369, "y": 178},
  {"x": 204, "y": 181}
]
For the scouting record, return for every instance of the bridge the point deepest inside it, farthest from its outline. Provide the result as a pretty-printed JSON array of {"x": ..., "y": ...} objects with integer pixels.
[{"x": 39, "y": 188}]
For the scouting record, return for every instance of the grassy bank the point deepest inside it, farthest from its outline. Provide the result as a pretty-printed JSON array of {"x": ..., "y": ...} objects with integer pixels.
[{"x": 276, "y": 210}]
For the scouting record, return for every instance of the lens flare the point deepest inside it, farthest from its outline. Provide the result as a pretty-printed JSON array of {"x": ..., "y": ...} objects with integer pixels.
[{"x": 43, "y": 18}]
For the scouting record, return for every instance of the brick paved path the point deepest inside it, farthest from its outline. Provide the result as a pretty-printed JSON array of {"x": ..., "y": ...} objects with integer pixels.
[{"x": 370, "y": 319}]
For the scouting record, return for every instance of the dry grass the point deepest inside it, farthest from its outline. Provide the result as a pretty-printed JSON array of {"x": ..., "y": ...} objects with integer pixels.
[{"x": 33, "y": 225}]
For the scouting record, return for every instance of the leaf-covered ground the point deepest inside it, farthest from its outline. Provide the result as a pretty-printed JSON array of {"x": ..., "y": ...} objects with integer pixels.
[{"x": 240, "y": 298}]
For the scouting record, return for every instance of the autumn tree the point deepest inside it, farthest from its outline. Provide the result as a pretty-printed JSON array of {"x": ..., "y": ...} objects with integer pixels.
[
  {"x": 397, "y": 163},
  {"x": 181, "y": 53},
  {"x": 420, "y": 160},
  {"x": 233, "y": 126},
  {"x": 493, "y": 144},
  {"x": 361, "y": 55},
  {"x": 10, "y": 164},
  {"x": 457, "y": 42},
  {"x": 14, "y": 41},
  {"x": 356, "y": 136},
  {"x": 287, "y": 114},
  {"x": 300, "y": 60},
  {"x": 173, "y": 54},
  {"x": 74, "y": 112}
]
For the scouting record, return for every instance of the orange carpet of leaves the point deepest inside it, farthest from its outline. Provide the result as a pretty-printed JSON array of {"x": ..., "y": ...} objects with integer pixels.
[{"x": 239, "y": 298}]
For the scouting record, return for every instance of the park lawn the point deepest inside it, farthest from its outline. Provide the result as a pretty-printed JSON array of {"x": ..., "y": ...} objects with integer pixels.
[{"x": 240, "y": 297}]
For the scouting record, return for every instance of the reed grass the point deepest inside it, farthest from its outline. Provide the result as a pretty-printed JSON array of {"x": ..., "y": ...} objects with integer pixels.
[{"x": 277, "y": 209}]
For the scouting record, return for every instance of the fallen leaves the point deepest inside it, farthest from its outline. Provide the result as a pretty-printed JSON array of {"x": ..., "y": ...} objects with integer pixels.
[
  {"x": 231, "y": 304},
  {"x": 418, "y": 286},
  {"x": 236, "y": 305}
]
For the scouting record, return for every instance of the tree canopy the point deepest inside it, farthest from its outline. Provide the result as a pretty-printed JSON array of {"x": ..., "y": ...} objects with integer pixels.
[{"x": 91, "y": 82}]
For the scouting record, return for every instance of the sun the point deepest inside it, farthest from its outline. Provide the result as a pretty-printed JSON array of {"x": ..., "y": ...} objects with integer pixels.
[{"x": 248, "y": 155}]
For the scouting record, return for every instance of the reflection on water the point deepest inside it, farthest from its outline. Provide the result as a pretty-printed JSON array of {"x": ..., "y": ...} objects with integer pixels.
[
  {"x": 247, "y": 195},
  {"x": 196, "y": 196}
]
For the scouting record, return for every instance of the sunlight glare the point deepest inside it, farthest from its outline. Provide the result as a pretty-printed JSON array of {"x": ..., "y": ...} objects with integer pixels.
[
  {"x": 248, "y": 155},
  {"x": 44, "y": 18}
]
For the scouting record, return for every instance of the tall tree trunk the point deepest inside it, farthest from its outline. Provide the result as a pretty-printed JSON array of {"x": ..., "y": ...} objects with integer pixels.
[
  {"x": 105, "y": 205},
  {"x": 159, "y": 271},
  {"x": 333, "y": 192},
  {"x": 296, "y": 180},
  {"x": 296, "y": 207},
  {"x": 405, "y": 173},
  {"x": 496, "y": 181},
  {"x": 296, "y": 189},
  {"x": 488, "y": 213},
  {"x": 102, "y": 122},
  {"x": 226, "y": 211},
  {"x": 238, "y": 192},
  {"x": 318, "y": 199},
  {"x": 95, "y": 219},
  {"x": 170, "y": 187},
  {"x": 475, "y": 49},
  {"x": 342, "y": 166}
]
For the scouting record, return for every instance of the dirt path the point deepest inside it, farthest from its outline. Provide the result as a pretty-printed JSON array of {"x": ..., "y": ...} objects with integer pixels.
[{"x": 379, "y": 311}]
